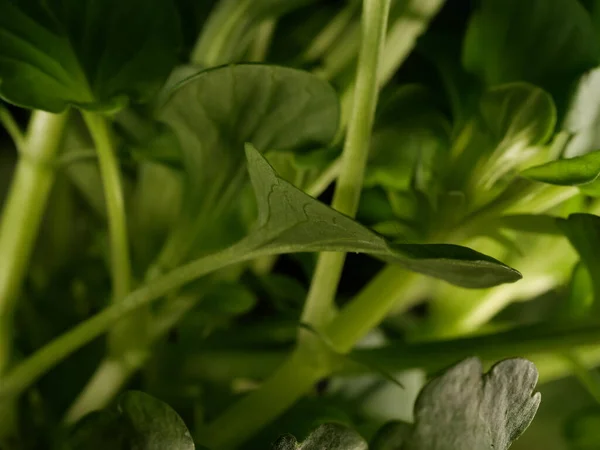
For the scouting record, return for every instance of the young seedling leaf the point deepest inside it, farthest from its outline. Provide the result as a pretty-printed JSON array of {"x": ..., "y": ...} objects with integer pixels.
[
  {"x": 138, "y": 421},
  {"x": 291, "y": 221},
  {"x": 511, "y": 124},
  {"x": 583, "y": 231},
  {"x": 215, "y": 112},
  {"x": 59, "y": 53},
  {"x": 328, "y": 436},
  {"x": 462, "y": 409},
  {"x": 580, "y": 171}
]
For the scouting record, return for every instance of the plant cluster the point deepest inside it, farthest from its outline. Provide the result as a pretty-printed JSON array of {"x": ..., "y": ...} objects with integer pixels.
[{"x": 301, "y": 224}]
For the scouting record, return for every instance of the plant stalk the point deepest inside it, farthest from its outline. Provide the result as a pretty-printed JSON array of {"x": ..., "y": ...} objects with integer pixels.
[
  {"x": 23, "y": 213},
  {"x": 292, "y": 379},
  {"x": 320, "y": 301},
  {"x": 120, "y": 265}
]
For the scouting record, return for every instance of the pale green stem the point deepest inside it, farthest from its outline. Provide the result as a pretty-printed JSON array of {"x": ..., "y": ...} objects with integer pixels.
[
  {"x": 104, "y": 385},
  {"x": 127, "y": 338},
  {"x": 331, "y": 33},
  {"x": 260, "y": 46},
  {"x": 23, "y": 213},
  {"x": 392, "y": 287},
  {"x": 320, "y": 302},
  {"x": 115, "y": 205},
  {"x": 292, "y": 379},
  {"x": 12, "y": 128},
  {"x": 211, "y": 48},
  {"x": 27, "y": 372},
  {"x": 403, "y": 34}
]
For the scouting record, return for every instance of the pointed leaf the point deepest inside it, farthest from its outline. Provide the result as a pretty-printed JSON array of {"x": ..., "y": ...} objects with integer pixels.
[
  {"x": 579, "y": 171},
  {"x": 57, "y": 53},
  {"x": 291, "y": 221}
]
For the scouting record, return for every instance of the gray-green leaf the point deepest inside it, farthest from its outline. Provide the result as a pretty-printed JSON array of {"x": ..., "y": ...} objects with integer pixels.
[
  {"x": 291, "y": 221},
  {"x": 326, "y": 437},
  {"x": 464, "y": 410},
  {"x": 139, "y": 421},
  {"x": 57, "y": 53}
]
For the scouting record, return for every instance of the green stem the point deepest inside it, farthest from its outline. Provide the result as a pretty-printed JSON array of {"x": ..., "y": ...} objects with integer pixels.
[
  {"x": 292, "y": 379},
  {"x": 104, "y": 385},
  {"x": 115, "y": 204},
  {"x": 260, "y": 46},
  {"x": 539, "y": 343},
  {"x": 21, "y": 377},
  {"x": 214, "y": 44},
  {"x": 128, "y": 338},
  {"x": 23, "y": 212},
  {"x": 392, "y": 287},
  {"x": 12, "y": 128},
  {"x": 527, "y": 341},
  {"x": 403, "y": 34},
  {"x": 320, "y": 301},
  {"x": 331, "y": 33}
]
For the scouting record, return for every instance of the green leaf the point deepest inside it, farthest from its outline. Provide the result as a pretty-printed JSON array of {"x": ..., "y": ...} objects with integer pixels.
[
  {"x": 290, "y": 221},
  {"x": 583, "y": 231},
  {"x": 462, "y": 409},
  {"x": 58, "y": 53},
  {"x": 514, "y": 40},
  {"x": 583, "y": 430},
  {"x": 139, "y": 421},
  {"x": 215, "y": 112},
  {"x": 328, "y": 436},
  {"x": 578, "y": 171}
]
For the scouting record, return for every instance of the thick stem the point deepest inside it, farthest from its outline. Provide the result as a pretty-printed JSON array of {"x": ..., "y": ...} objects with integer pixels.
[
  {"x": 23, "y": 212},
  {"x": 320, "y": 301},
  {"x": 127, "y": 341},
  {"x": 104, "y": 385},
  {"x": 292, "y": 379},
  {"x": 392, "y": 287}
]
